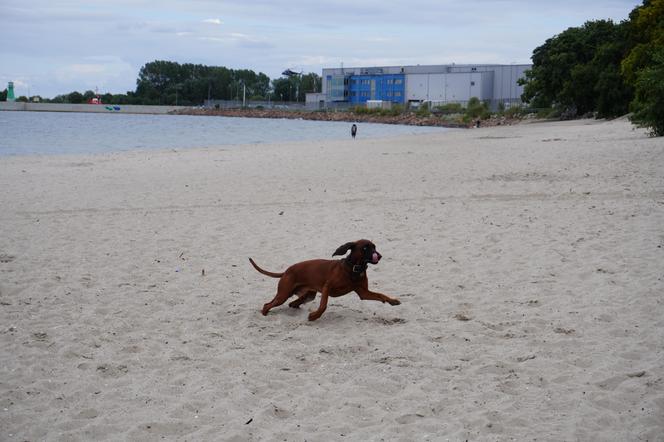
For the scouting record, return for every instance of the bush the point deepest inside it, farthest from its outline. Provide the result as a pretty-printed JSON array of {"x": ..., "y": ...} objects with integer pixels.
[
  {"x": 514, "y": 112},
  {"x": 476, "y": 109},
  {"x": 360, "y": 110},
  {"x": 395, "y": 110},
  {"x": 449, "y": 108},
  {"x": 648, "y": 103},
  {"x": 423, "y": 110},
  {"x": 548, "y": 113}
]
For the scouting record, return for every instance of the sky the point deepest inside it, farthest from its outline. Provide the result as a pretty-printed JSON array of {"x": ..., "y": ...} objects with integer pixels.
[{"x": 51, "y": 47}]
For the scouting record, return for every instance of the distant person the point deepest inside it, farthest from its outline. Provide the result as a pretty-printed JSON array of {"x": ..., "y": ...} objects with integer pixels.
[{"x": 353, "y": 130}]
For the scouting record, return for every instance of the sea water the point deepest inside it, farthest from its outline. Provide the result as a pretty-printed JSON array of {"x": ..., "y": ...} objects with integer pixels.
[{"x": 47, "y": 133}]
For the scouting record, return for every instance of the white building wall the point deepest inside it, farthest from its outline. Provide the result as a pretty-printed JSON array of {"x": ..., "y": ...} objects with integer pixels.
[
  {"x": 436, "y": 87},
  {"x": 458, "y": 87},
  {"x": 487, "y": 85},
  {"x": 505, "y": 87},
  {"x": 417, "y": 87}
]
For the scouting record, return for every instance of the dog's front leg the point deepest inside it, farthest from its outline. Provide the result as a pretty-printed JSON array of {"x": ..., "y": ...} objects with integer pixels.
[
  {"x": 367, "y": 295},
  {"x": 323, "y": 304}
]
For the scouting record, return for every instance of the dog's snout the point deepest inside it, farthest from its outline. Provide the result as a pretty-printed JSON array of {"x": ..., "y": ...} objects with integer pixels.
[{"x": 376, "y": 257}]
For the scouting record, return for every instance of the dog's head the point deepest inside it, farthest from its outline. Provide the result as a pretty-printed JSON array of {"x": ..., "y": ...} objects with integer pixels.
[{"x": 362, "y": 251}]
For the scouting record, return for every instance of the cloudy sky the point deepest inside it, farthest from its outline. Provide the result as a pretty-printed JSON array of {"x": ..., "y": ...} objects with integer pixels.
[{"x": 50, "y": 47}]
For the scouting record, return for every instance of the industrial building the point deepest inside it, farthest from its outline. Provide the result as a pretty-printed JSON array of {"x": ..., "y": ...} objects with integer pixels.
[{"x": 436, "y": 84}]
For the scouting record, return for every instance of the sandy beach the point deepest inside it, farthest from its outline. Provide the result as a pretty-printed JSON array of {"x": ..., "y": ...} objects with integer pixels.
[{"x": 529, "y": 260}]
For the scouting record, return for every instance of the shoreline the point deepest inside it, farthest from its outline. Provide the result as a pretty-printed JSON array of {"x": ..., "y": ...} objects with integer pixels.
[{"x": 406, "y": 118}]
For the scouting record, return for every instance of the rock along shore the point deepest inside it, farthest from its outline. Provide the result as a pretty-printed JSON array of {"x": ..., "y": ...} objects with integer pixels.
[{"x": 405, "y": 118}]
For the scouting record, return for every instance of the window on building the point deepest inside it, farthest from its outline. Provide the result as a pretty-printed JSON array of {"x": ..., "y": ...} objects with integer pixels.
[
  {"x": 472, "y": 83},
  {"x": 398, "y": 81}
]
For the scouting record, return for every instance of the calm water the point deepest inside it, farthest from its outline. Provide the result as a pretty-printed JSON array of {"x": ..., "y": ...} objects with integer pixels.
[{"x": 29, "y": 133}]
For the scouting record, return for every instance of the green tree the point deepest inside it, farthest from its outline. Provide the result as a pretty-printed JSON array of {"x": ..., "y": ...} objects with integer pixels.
[
  {"x": 75, "y": 97},
  {"x": 3, "y": 95},
  {"x": 154, "y": 79},
  {"x": 567, "y": 69},
  {"x": 88, "y": 95},
  {"x": 645, "y": 35},
  {"x": 165, "y": 82},
  {"x": 612, "y": 93},
  {"x": 296, "y": 87},
  {"x": 648, "y": 104},
  {"x": 309, "y": 83},
  {"x": 283, "y": 89}
]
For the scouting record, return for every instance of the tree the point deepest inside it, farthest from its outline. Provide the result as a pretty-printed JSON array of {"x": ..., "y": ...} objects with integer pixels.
[
  {"x": 3, "y": 95},
  {"x": 165, "y": 82},
  {"x": 283, "y": 89},
  {"x": 571, "y": 70},
  {"x": 75, "y": 97},
  {"x": 88, "y": 95},
  {"x": 153, "y": 80},
  {"x": 612, "y": 93},
  {"x": 310, "y": 82},
  {"x": 645, "y": 36},
  {"x": 648, "y": 104}
]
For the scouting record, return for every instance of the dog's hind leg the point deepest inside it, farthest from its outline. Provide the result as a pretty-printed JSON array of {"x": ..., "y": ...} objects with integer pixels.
[
  {"x": 303, "y": 298},
  {"x": 323, "y": 304},
  {"x": 284, "y": 291}
]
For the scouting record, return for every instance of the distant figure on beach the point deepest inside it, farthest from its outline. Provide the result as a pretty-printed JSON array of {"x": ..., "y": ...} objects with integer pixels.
[
  {"x": 477, "y": 123},
  {"x": 353, "y": 130}
]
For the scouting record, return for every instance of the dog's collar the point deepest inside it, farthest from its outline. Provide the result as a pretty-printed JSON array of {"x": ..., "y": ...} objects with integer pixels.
[{"x": 357, "y": 269}]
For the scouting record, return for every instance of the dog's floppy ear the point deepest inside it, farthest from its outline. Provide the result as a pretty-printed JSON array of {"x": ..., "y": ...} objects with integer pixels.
[{"x": 343, "y": 249}]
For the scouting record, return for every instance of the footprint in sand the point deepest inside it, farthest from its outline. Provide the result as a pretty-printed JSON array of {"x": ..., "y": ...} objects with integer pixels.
[
  {"x": 613, "y": 382},
  {"x": 4, "y": 258},
  {"x": 86, "y": 281},
  {"x": 409, "y": 418},
  {"x": 89, "y": 413},
  {"x": 112, "y": 371}
]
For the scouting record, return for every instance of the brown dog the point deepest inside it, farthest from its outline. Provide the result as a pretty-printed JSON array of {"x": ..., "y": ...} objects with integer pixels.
[{"x": 330, "y": 277}]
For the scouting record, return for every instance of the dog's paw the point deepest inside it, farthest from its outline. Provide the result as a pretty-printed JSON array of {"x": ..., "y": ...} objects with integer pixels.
[
  {"x": 313, "y": 316},
  {"x": 394, "y": 301}
]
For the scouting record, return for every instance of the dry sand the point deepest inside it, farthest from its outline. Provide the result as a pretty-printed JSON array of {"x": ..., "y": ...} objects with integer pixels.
[{"x": 529, "y": 261}]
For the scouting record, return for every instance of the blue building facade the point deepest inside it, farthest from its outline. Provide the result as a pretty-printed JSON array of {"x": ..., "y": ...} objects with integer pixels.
[
  {"x": 386, "y": 87},
  {"x": 357, "y": 89}
]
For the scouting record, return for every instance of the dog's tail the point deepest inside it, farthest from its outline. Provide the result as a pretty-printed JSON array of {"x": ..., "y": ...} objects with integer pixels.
[{"x": 265, "y": 272}]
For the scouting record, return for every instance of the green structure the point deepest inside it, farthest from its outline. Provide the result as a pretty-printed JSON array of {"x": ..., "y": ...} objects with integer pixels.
[{"x": 10, "y": 91}]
